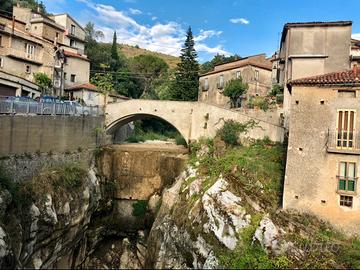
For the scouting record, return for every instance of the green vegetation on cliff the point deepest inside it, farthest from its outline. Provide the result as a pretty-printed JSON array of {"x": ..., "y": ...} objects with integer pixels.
[{"x": 255, "y": 172}]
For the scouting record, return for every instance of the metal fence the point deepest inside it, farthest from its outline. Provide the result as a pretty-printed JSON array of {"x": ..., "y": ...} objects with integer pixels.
[{"x": 34, "y": 108}]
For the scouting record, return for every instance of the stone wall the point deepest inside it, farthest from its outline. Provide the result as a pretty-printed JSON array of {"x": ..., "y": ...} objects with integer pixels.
[{"x": 40, "y": 134}]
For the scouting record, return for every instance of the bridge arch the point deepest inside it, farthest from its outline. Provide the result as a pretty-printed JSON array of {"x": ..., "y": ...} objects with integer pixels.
[
  {"x": 112, "y": 127},
  {"x": 176, "y": 113}
]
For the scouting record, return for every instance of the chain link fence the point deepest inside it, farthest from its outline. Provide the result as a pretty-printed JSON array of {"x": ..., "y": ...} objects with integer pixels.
[{"x": 34, "y": 108}]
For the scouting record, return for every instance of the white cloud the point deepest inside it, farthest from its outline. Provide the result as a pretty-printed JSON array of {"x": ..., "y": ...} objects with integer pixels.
[
  {"x": 134, "y": 11},
  {"x": 154, "y": 18},
  {"x": 161, "y": 37},
  {"x": 356, "y": 36},
  {"x": 240, "y": 20}
]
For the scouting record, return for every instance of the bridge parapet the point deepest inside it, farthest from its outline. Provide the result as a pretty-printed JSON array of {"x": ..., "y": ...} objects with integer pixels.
[{"x": 193, "y": 119}]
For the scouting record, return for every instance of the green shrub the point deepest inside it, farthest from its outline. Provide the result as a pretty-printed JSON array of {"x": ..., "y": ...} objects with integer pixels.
[
  {"x": 179, "y": 139},
  {"x": 140, "y": 208},
  {"x": 276, "y": 90},
  {"x": 261, "y": 103},
  {"x": 234, "y": 89},
  {"x": 279, "y": 98},
  {"x": 231, "y": 131}
]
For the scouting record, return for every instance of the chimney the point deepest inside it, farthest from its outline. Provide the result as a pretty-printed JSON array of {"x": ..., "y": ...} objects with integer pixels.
[{"x": 38, "y": 9}]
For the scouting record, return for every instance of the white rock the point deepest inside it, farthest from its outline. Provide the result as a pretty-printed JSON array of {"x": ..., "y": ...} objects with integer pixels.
[
  {"x": 37, "y": 262},
  {"x": 3, "y": 247},
  {"x": 267, "y": 234},
  {"x": 222, "y": 206},
  {"x": 50, "y": 214}
]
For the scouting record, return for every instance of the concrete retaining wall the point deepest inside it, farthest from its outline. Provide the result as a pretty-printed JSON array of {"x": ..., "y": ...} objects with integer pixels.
[{"x": 39, "y": 134}]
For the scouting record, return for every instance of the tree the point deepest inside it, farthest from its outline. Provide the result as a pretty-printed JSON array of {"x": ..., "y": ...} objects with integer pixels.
[
  {"x": 115, "y": 63},
  {"x": 103, "y": 81},
  {"x": 44, "y": 82},
  {"x": 218, "y": 59},
  {"x": 234, "y": 89},
  {"x": 186, "y": 84},
  {"x": 148, "y": 68}
]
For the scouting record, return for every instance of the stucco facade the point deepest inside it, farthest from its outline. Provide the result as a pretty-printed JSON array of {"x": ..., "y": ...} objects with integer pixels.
[
  {"x": 254, "y": 70},
  {"x": 309, "y": 49},
  {"x": 316, "y": 155},
  {"x": 76, "y": 70}
]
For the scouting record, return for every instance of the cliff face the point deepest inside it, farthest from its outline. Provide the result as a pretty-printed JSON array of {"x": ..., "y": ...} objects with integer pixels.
[
  {"x": 224, "y": 212},
  {"x": 44, "y": 221}
]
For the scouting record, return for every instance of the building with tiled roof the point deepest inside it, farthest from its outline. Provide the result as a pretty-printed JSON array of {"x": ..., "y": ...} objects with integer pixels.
[
  {"x": 355, "y": 52},
  {"x": 254, "y": 70},
  {"x": 324, "y": 142},
  {"x": 92, "y": 96},
  {"x": 341, "y": 78},
  {"x": 310, "y": 49}
]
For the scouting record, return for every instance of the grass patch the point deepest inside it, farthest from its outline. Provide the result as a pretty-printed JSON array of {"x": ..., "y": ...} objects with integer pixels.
[{"x": 140, "y": 208}]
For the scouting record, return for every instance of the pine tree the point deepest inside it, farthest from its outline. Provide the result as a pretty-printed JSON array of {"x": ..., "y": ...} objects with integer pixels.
[
  {"x": 115, "y": 59},
  {"x": 186, "y": 84}
]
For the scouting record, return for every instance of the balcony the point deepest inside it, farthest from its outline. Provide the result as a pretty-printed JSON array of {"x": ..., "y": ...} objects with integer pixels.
[
  {"x": 19, "y": 54},
  {"x": 205, "y": 87},
  {"x": 343, "y": 142}
]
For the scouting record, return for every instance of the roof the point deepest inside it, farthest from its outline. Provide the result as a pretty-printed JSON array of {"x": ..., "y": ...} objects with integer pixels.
[
  {"x": 66, "y": 14},
  {"x": 312, "y": 24},
  {"x": 76, "y": 55},
  {"x": 87, "y": 86},
  {"x": 247, "y": 61},
  {"x": 91, "y": 87},
  {"x": 346, "y": 77}
]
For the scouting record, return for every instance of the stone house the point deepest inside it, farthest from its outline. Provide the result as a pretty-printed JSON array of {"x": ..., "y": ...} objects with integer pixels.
[
  {"x": 32, "y": 42},
  {"x": 355, "y": 52},
  {"x": 254, "y": 70},
  {"x": 308, "y": 49},
  {"x": 92, "y": 96},
  {"x": 12, "y": 85},
  {"x": 323, "y": 158}
]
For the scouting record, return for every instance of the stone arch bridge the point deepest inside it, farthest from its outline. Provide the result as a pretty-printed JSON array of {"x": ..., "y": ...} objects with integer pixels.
[{"x": 192, "y": 119}]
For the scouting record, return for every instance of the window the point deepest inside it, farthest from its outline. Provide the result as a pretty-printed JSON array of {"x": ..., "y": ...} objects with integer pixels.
[
  {"x": 345, "y": 128},
  {"x": 221, "y": 82},
  {"x": 57, "y": 35},
  {"x": 347, "y": 93},
  {"x": 65, "y": 76},
  {"x": 0, "y": 41},
  {"x": 346, "y": 201},
  {"x": 28, "y": 69},
  {"x": 1, "y": 62},
  {"x": 90, "y": 96},
  {"x": 206, "y": 84},
  {"x": 347, "y": 176},
  {"x": 256, "y": 75},
  {"x": 30, "y": 50},
  {"x": 72, "y": 77},
  {"x": 72, "y": 43},
  {"x": 238, "y": 74},
  {"x": 73, "y": 29}
]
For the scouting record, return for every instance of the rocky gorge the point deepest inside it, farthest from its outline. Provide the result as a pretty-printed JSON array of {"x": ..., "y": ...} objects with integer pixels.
[{"x": 159, "y": 207}]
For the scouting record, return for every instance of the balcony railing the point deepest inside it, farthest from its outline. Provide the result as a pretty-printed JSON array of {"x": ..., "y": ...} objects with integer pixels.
[
  {"x": 347, "y": 142},
  {"x": 36, "y": 108}
]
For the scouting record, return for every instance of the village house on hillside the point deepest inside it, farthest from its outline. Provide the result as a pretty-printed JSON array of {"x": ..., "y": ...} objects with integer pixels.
[
  {"x": 254, "y": 70},
  {"x": 308, "y": 49},
  {"x": 323, "y": 159}
]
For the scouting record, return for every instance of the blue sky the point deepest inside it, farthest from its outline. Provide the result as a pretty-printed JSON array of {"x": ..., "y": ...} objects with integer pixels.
[{"x": 244, "y": 27}]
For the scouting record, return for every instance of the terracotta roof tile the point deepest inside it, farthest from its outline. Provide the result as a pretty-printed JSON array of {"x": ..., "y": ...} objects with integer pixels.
[
  {"x": 88, "y": 86},
  {"x": 72, "y": 54},
  {"x": 349, "y": 77}
]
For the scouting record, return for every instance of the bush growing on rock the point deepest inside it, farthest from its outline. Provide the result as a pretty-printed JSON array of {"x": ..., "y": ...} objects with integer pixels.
[{"x": 231, "y": 131}]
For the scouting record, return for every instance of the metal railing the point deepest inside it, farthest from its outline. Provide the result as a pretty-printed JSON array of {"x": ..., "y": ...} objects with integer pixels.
[
  {"x": 34, "y": 108},
  {"x": 343, "y": 141}
]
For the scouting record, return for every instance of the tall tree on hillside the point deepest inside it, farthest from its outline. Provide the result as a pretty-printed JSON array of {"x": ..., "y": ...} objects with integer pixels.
[
  {"x": 115, "y": 59},
  {"x": 98, "y": 56},
  {"x": 148, "y": 68},
  {"x": 186, "y": 83}
]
